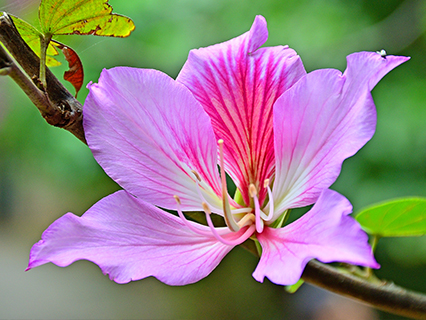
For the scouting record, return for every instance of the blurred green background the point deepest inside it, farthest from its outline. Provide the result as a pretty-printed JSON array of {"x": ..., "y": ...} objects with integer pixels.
[{"x": 46, "y": 172}]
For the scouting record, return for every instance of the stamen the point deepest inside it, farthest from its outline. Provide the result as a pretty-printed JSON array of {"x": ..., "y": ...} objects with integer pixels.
[
  {"x": 196, "y": 175},
  {"x": 229, "y": 218},
  {"x": 271, "y": 202},
  {"x": 257, "y": 211},
  {"x": 177, "y": 200},
  {"x": 200, "y": 194},
  {"x": 247, "y": 234},
  {"x": 252, "y": 190},
  {"x": 206, "y": 208},
  {"x": 266, "y": 183},
  {"x": 195, "y": 227},
  {"x": 192, "y": 227}
]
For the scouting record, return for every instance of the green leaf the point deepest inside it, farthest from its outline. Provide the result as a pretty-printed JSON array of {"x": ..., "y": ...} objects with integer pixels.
[
  {"x": 84, "y": 17},
  {"x": 32, "y": 37},
  {"x": 396, "y": 218},
  {"x": 294, "y": 287}
]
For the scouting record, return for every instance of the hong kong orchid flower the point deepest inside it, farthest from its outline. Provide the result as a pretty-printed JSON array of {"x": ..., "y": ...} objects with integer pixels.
[{"x": 235, "y": 109}]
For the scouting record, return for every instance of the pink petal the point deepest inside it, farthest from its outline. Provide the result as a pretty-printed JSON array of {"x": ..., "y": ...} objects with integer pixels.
[
  {"x": 148, "y": 132},
  {"x": 325, "y": 233},
  {"x": 323, "y": 119},
  {"x": 130, "y": 240},
  {"x": 237, "y": 83}
]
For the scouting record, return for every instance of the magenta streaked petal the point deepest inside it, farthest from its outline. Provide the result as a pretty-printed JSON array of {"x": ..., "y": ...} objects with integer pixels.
[
  {"x": 148, "y": 132},
  {"x": 237, "y": 83},
  {"x": 325, "y": 233},
  {"x": 323, "y": 119},
  {"x": 130, "y": 240}
]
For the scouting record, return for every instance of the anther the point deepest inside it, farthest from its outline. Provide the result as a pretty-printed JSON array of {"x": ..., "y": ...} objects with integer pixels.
[
  {"x": 252, "y": 190},
  {"x": 206, "y": 208},
  {"x": 193, "y": 227},
  {"x": 196, "y": 175},
  {"x": 177, "y": 199},
  {"x": 266, "y": 183}
]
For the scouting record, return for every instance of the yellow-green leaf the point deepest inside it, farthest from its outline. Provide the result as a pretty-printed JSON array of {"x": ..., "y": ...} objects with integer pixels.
[
  {"x": 396, "y": 218},
  {"x": 294, "y": 287},
  {"x": 86, "y": 17},
  {"x": 32, "y": 37}
]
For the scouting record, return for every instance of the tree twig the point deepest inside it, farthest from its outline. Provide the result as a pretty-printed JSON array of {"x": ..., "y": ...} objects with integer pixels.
[
  {"x": 61, "y": 109},
  {"x": 386, "y": 296},
  {"x": 37, "y": 96}
]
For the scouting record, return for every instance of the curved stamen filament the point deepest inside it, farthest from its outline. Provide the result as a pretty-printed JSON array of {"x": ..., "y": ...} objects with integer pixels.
[
  {"x": 257, "y": 211},
  {"x": 247, "y": 234},
  {"x": 200, "y": 194},
  {"x": 195, "y": 227},
  {"x": 229, "y": 218},
  {"x": 218, "y": 210},
  {"x": 192, "y": 227},
  {"x": 241, "y": 210},
  {"x": 271, "y": 202}
]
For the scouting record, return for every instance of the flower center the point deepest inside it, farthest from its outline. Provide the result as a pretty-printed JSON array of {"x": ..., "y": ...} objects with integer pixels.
[{"x": 237, "y": 230}]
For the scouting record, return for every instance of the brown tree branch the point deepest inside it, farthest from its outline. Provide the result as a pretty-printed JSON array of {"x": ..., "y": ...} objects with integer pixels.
[
  {"x": 37, "y": 96},
  {"x": 61, "y": 109},
  {"x": 384, "y": 296},
  {"x": 381, "y": 295}
]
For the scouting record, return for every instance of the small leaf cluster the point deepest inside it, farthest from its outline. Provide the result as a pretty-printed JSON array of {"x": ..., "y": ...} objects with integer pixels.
[{"x": 73, "y": 17}]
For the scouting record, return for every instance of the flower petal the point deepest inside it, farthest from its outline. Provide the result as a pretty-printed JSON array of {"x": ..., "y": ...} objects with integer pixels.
[
  {"x": 323, "y": 119},
  {"x": 130, "y": 240},
  {"x": 326, "y": 233},
  {"x": 237, "y": 83},
  {"x": 148, "y": 132}
]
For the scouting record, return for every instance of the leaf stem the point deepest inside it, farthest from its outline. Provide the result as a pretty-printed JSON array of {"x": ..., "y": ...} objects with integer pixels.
[
  {"x": 374, "y": 241},
  {"x": 44, "y": 43}
]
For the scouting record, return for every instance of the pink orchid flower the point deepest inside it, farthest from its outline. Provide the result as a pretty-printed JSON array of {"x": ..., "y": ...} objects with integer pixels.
[{"x": 252, "y": 113}]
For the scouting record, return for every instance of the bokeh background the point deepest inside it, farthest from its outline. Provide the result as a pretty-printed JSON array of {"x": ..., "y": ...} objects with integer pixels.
[{"x": 46, "y": 172}]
